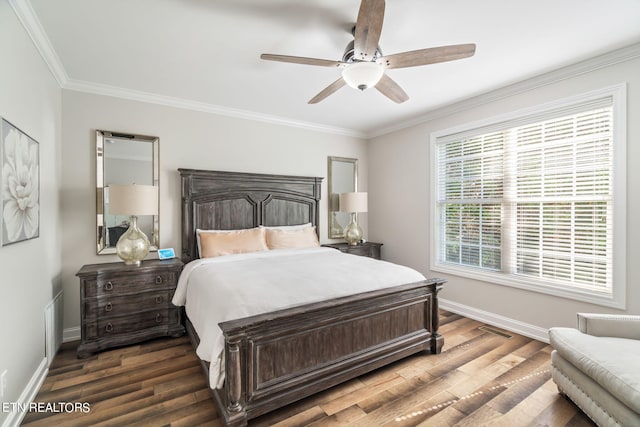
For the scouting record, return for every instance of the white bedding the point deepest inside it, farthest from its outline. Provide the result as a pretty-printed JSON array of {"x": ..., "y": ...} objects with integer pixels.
[{"x": 229, "y": 287}]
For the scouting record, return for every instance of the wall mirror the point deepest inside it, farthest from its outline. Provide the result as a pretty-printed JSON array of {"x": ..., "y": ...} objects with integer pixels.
[
  {"x": 124, "y": 159},
  {"x": 343, "y": 178}
]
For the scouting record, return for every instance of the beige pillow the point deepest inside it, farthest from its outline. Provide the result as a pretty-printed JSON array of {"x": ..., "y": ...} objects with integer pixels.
[
  {"x": 289, "y": 239},
  {"x": 224, "y": 242}
]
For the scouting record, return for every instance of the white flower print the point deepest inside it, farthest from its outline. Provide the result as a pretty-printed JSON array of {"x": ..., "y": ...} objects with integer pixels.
[{"x": 20, "y": 186}]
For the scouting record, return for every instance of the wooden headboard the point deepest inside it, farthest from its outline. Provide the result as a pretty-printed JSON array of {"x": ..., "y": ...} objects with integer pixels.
[{"x": 216, "y": 200}]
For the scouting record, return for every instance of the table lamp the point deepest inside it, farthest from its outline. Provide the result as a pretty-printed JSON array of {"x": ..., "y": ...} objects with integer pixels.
[
  {"x": 134, "y": 200},
  {"x": 353, "y": 203}
]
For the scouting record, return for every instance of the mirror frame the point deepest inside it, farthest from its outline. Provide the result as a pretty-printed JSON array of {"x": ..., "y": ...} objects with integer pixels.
[
  {"x": 333, "y": 233},
  {"x": 101, "y": 135}
]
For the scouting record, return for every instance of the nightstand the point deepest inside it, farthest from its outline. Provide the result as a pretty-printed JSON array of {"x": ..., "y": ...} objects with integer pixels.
[
  {"x": 370, "y": 249},
  {"x": 122, "y": 304}
]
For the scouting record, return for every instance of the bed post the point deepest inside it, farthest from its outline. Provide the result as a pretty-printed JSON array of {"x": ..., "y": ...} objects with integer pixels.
[
  {"x": 187, "y": 220},
  {"x": 235, "y": 414},
  {"x": 437, "y": 340}
]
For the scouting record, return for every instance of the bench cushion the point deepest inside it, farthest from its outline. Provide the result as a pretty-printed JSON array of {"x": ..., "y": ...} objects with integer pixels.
[{"x": 614, "y": 363}]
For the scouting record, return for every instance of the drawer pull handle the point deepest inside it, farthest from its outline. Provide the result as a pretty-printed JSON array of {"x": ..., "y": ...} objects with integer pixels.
[
  {"x": 109, "y": 328},
  {"x": 158, "y": 299},
  {"x": 158, "y": 280},
  {"x": 108, "y": 286},
  {"x": 108, "y": 307},
  {"x": 158, "y": 318}
]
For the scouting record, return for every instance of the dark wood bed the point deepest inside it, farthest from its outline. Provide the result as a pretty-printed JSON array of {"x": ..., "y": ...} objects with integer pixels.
[{"x": 277, "y": 358}]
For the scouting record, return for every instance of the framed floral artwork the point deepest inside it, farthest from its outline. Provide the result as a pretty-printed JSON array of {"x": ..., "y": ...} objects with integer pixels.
[{"x": 20, "y": 196}]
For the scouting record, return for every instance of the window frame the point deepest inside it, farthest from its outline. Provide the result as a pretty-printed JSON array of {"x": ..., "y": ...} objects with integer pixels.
[{"x": 617, "y": 297}]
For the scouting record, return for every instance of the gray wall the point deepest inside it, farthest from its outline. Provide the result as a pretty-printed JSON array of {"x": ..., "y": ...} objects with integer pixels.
[
  {"x": 30, "y": 270},
  {"x": 399, "y": 199},
  {"x": 188, "y": 139}
]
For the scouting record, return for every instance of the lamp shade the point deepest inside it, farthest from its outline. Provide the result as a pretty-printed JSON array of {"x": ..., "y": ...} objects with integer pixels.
[
  {"x": 133, "y": 199},
  {"x": 362, "y": 75},
  {"x": 353, "y": 202}
]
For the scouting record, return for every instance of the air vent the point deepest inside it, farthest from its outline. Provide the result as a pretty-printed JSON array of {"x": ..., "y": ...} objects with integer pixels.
[{"x": 495, "y": 332}]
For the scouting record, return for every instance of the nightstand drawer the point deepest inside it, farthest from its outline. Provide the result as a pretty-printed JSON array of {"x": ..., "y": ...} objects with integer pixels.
[
  {"x": 105, "y": 286},
  {"x": 108, "y": 306},
  {"x": 361, "y": 250},
  {"x": 111, "y": 326},
  {"x": 122, "y": 305},
  {"x": 367, "y": 249}
]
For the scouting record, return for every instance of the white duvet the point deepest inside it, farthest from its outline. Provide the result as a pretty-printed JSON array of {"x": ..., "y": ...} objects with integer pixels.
[{"x": 214, "y": 290}]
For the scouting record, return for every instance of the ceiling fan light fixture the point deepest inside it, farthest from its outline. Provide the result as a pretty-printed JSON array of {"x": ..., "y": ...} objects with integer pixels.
[{"x": 362, "y": 75}]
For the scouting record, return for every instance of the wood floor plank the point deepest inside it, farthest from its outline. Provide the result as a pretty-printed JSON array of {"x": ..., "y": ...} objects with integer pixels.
[
  {"x": 481, "y": 417},
  {"x": 303, "y": 418},
  {"x": 155, "y": 357},
  {"x": 347, "y": 417},
  {"x": 480, "y": 378},
  {"x": 501, "y": 350},
  {"x": 530, "y": 349},
  {"x": 181, "y": 416},
  {"x": 385, "y": 374},
  {"x": 423, "y": 411},
  {"x": 481, "y": 346},
  {"x": 348, "y": 400},
  {"x": 105, "y": 375},
  {"x": 374, "y": 402},
  {"x": 558, "y": 413},
  {"x": 446, "y": 418},
  {"x": 177, "y": 374},
  {"x": 415, "y": 366},
  {"x": 307, "y": 403},
  {"x": 536, "y": 401},
  {"x": 404, "y": 405},
  {"x": 161, "y": 407}
]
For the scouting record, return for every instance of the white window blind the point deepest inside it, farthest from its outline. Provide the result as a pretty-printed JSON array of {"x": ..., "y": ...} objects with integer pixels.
[
  {"x": 563, "y": 199},
  {"x": 531, "y": 197}
]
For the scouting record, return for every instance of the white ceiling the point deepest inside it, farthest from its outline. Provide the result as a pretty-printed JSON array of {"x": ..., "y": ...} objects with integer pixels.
[{"x": 206, "y": 52}]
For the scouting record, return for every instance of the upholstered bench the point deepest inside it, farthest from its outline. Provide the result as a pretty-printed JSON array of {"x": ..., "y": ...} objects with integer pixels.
[{"x": 598, "y": 367}]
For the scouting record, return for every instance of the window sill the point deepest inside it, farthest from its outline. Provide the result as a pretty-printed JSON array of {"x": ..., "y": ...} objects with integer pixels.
[{"x": 614, "y": 300}]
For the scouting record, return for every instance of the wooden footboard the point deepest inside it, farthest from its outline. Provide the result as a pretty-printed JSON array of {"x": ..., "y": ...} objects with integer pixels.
[{"x": 277, "y": 358}]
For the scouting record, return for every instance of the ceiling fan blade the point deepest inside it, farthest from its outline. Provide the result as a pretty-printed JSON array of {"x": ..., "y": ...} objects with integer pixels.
[
  {"x": 431, "y": 55},
  {"x": 302, "y": 60},
  {"x": 389, "y": 88},
  {"x": 327, "y": 91},
  {"x": 368, "y": 29}
]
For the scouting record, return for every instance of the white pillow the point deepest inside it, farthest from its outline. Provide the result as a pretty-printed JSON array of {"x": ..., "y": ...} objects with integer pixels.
[{"x": 286, "y": 227}]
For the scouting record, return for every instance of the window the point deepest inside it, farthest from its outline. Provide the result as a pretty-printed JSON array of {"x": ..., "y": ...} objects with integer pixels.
[{"x": 533, "y": 199}]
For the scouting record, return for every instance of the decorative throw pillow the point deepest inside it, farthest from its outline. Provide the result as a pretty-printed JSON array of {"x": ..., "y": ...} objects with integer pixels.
[
  {"x": 212, "y": 243},
  {"x": 289, "y": 239}
]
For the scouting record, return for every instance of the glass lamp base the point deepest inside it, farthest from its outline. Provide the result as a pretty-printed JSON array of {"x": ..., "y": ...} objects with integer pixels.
[
  {"x": 133, "y": 245},
  {"x": 353, "y": 232}
]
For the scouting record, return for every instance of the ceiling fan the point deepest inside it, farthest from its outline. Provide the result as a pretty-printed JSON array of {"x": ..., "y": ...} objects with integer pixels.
[{"x": 363, "y": 64}]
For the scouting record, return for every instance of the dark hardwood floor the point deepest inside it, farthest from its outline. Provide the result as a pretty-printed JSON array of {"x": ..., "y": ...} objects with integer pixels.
[{"x": 484, "y": 376}]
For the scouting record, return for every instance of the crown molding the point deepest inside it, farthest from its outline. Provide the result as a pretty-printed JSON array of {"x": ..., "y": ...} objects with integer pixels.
[
  {"x": 602, "y": 61},
  {"x": 135, "y": 95},
  {"x": 27, "y": 16}
]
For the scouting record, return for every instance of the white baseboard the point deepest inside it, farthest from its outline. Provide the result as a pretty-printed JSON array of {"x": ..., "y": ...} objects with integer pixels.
[
  {"x": 71, "y": 334},
  {"x": 512, "y": 325},
  {"x": 28, "y": 394}
]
